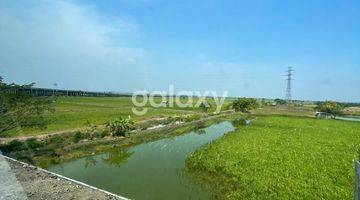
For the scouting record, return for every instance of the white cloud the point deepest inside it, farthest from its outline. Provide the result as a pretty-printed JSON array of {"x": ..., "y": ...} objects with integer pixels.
[{"x": 61, "y": 40}]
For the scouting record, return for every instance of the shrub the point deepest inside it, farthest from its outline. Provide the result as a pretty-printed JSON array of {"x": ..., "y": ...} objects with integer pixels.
[
  {"x": 199, "y": 125},
  {"x": 101, "y": 134},
  {"x": 56, "y": 139},
  {"x": 104, "y": 133},
  {"x": 330, "y": 107},
  {"x": 280, "y": 102},
  {"x": 16, "y": 145},
  {"x": 244, "y": 104},
  {"x": 24, "y": 157},
  {"x": 120, "y": 126},
  {"x": 90, "y": 130},
  {"x": 78, "y": 136},
  {"x": 241, "y": 121},
  {"x": 32, "y": 143},
  {"x": 205, "y": 106},
  {"x": 192, "y": 118}
]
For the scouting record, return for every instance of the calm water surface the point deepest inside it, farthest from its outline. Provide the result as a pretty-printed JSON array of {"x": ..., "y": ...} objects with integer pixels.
[
  {"x": 151, "y": 170},
  {"x": 349, "y": 118}
]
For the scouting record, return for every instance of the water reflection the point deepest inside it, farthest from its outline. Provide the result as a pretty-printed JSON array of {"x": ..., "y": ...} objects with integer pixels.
[
  {"x": 90, "y": 161},
  {"x": 200, "y": 131},
  {"x": 117, "y": 156}
]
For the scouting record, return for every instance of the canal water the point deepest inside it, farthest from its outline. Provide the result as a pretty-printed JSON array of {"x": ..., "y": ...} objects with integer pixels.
[
  {"x": 349, "y": 118},
  {"x": 151, "y": 170}
]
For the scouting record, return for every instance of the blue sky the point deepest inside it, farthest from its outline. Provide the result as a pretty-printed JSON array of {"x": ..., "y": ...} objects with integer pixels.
[{"x": 243, "y": 47}]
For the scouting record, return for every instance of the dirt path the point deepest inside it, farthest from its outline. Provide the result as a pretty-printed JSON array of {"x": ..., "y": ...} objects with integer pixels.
[{"x": 40, "y": 184}]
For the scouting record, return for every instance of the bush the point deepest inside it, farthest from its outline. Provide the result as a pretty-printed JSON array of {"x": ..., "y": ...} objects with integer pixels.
[
  {"x": 24, "y": 157},
  {"x": 120, "y": 126},
  {"x": 192, "y": 118},
  {"x": 205, "y": 106},
  {"x": 101, "y": 134},
  {"x": 32, "y": 143},
  {"x": 104, "y": 133},
  {"x": 199, "y": 125},
  {"x": 242, "y": 121},
  {"x": 244, "y": 104},
  {"x": 78, "y": 136},
  {"x": 56, "y": 140},
  {"x": 330, "y": 107},
  {"x": 16, "y": 145}
]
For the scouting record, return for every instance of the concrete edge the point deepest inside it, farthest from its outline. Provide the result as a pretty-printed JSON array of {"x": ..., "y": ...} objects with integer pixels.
[{"x": 68, "y": 179}]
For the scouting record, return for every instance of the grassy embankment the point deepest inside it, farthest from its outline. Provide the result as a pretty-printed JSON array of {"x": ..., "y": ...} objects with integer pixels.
[
  {"x": 282, "y": 157},
  {"x": 76, "y": 138},
  {"x": 74, "y": 112},
  {"x": 69, "y": 146}
]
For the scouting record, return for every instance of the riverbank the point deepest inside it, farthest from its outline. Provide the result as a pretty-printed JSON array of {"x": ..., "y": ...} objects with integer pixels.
[
  {"x": 39, "y": 184},
  {"x": 61, "y": 149}
]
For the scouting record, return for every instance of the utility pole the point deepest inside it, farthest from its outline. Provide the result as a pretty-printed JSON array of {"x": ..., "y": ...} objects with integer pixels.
[
  {"x": 288, "y": 86},
  {"x": 54, "y": 89}
]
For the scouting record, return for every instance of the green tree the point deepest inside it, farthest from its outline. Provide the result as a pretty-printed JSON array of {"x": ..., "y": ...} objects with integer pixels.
[
  {"x": 19, "y": 109},
  {"x": 330, "y": 107},
  {"x": 244, "y": 104},
  {"x": 280, "y": 101}
]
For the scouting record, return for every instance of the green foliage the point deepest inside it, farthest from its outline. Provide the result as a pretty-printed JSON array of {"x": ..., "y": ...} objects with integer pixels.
[
  {"x": 73, "y": 113},
  {"x": 241, "y": 121},
  {"x": 120, "y": 126},
  {"x": 18, "y": 109},
  {"x": 172, "y": 119},
  {"x": 58, "y": 139},
  {"x": 282, "y": 158},
  {"x": 24, "y": 157},
  {"x": 90, "y": 129},
  {"x": 101, "y": 134},
  {"x": 205, "y": 106},
  {"x": 244, "y": 104},
  {"x": 16, "y": 145},
  {"x": 191, "y": 118},
  {"x": 330, "y": 107},
  {"x": 280, "y": 101},
  {"x": 78, "y": 136},
  {"x": 32, "y": 143}
]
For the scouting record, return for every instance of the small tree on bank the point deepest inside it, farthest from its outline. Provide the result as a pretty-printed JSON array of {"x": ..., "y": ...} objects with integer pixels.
[
  {"x": 280, "y": 101},
  {"x": 120, "y": 126},
  {"x": 244, "y": 104},
  {"x": 205, "y": 106},
  {"x": 330, "y": 107},
  {"x": 19, "y": 109}
]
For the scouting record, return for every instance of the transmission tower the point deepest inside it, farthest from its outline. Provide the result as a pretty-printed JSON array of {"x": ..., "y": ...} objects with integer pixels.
[{"x": 288, "y": 86}]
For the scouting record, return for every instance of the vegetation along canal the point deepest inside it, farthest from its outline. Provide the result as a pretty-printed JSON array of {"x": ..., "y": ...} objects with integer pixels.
[{"x": 151, "y": 170}]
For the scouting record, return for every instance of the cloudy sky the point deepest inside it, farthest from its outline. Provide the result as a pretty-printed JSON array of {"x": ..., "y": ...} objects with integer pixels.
[{"x": 243, "y": 47}]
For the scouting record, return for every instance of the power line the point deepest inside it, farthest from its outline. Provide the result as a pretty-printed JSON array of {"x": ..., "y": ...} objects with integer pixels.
[{"x": 288, "y": 85}]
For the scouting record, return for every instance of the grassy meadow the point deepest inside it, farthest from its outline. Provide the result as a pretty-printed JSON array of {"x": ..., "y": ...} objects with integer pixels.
[
  {"x": 282, "y": 157},
  {"x": 74, "y": 112}
]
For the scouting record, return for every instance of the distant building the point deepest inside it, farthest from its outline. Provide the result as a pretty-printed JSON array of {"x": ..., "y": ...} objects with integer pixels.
[{"x": 324, "y": 115}]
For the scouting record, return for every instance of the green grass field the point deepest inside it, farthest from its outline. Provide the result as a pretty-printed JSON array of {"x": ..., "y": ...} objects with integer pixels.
[
  {"x": 282, "y": 157},
  {"x": 73, "y": 112}
]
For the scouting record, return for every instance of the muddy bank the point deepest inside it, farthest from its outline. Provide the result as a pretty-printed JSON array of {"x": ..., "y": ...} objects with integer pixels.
[{"x": 39, "y": 184}]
